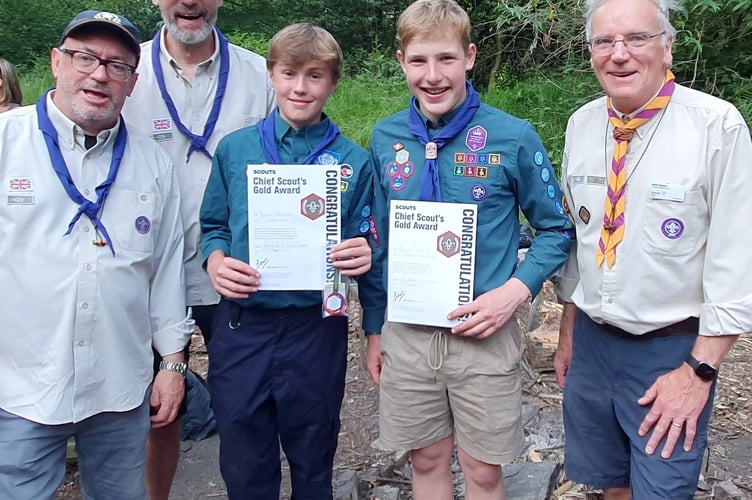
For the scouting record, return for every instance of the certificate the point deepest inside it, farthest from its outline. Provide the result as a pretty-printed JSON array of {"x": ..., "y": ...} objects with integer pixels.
[
  {"x": 431, "y": 262},
  {"x": 293, "y": 220}
]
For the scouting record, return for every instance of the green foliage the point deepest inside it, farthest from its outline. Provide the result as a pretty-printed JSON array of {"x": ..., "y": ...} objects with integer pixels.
[
  {"x": 36, "y": 80},
  {"x": 375, "y": 63},
  {"x": 255, "y": 42}
]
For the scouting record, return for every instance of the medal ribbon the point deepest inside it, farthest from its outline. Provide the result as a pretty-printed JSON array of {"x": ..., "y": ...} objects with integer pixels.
[
  {"x": 269, "y": 141},
  {"x": 198, "y": 142},
  {"x": 85, "y": 206},
  {"x": 430, "y": 188},
  {"x": 612, "y": 231}
]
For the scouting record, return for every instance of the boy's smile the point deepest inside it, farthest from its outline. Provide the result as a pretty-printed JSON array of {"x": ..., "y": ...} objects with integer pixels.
[{"x": 435, "y": 70}]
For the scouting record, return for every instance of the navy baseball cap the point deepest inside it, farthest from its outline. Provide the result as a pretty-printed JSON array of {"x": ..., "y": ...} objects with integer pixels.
[{"x": 117, "y": 24}]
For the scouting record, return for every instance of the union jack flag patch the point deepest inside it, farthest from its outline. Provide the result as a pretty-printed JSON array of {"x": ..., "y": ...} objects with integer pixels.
[
  {"x": 20, "y": 184},
  {"x": 161, "y": 124}
]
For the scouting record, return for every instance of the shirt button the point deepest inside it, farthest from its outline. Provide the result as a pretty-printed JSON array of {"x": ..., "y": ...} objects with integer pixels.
[
  {"x": 143, "y": 197},
  {"x": 609, "y": 300},
  {"x": 86, "y": 192},
  {"x": 86, "y": 229},
  {"x": 80, "y": 343},
  {"x": 87, "y": 267},
  {"x": 85, "y": 305}
]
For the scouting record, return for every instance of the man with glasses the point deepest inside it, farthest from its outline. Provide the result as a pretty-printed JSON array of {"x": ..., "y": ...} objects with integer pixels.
[
  {"x": 92, "y": 244},
  {"x": 659, "y": 286},
  {"x": 194, "y": 88}
]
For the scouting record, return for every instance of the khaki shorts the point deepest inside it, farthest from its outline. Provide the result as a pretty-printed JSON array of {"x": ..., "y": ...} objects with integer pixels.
[{"x": 435, "y": 384}]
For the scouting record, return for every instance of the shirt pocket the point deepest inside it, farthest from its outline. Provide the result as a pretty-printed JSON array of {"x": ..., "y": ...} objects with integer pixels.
[
  {"x": 675, "y": 228},
  {"x": 133, "y": 223}
]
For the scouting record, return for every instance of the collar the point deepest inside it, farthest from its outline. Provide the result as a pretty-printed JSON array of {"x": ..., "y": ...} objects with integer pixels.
[
  {"x": 70, "y": 135},
  {"x": 645, "y": 128},
  {"x": 433, "y": 126},
  {"x": 312, "y": 134}
]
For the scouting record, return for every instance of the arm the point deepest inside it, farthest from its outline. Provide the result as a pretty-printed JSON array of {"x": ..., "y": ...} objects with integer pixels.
[
  {"x": 679, "y": 396},
  {"x": 548, "y": 252},
  {"x": 171, "y": 326},
  {"x": 563, "y": 356}
]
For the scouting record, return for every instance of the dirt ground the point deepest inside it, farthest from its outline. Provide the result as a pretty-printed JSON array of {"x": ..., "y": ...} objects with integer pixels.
[{"x": 727, "y": 474}]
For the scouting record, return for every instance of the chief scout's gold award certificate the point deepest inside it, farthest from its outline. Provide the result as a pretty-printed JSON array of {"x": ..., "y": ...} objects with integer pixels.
[
  {"x": 431, "y": 260},
  {"x": 293, "y": 220}
]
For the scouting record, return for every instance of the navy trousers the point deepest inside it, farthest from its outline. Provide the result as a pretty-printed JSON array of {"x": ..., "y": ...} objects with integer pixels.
[{"x": 277, "y": 376}]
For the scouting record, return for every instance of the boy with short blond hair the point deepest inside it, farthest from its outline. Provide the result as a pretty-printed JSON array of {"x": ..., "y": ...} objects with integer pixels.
[
  {"x": 463, "y": 384},
  {"x": 276, "y": 365}
]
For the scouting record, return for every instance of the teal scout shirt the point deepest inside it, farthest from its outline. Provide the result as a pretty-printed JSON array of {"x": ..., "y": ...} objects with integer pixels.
[
  {"x": 498, "y": 163},
  {"x": 224, "y": 212}
]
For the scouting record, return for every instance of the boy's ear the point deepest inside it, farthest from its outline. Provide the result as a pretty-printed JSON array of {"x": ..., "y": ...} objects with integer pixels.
[
  {"x": 470, "y": 54},
  {"x": 401, "y": 59}
]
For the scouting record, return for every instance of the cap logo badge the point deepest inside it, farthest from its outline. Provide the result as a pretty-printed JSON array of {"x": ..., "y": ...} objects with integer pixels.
[{"x": 108, "y": 16}]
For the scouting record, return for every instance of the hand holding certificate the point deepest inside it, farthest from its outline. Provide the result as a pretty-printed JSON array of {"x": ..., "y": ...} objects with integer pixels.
[{"x": 431, "y": 262}]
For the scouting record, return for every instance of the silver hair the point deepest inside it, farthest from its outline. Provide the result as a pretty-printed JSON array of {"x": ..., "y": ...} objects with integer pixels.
[{"x": 664, "y": 7}]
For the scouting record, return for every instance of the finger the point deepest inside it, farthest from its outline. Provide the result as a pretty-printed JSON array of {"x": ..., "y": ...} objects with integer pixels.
[
  {"x": 674, "y": 432},
  {"x": 353, "y": 263},
  {"x": 660, "y": 430},
  {"x": 648, "y": 422},
  {"x": 690, "y": 431}
]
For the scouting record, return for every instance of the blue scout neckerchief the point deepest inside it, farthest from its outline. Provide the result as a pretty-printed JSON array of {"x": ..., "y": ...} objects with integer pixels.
[
  {"x": 198, "y": 142},
  {"x": 85, "y": 207},
  {"x": 430, "y": 189},
  {"x": 269, "y": 140}
]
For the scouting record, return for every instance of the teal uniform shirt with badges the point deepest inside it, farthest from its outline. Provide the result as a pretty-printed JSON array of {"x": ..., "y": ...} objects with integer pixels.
[
  {"x": 224, "y": 212},
  {"x": 496, "y": 162}
]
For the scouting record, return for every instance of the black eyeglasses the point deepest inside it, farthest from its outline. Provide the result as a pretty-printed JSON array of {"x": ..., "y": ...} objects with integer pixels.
[
  {"x": 603, "y": 44},
  {"x": 88, "y": 63}
]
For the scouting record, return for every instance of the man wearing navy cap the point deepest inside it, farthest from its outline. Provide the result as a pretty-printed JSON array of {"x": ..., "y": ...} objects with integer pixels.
[{"x": 94, "y": 244}]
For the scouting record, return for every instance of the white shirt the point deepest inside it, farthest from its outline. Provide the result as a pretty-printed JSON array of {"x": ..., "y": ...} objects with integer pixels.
[
  {"x": 249, "y": 98},
  {"x": 686, "y": 246},
  {"x": 76, "y": 323}
]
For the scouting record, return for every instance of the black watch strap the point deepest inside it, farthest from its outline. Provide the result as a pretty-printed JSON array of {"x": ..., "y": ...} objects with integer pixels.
[{"x": 704, "y": 370}]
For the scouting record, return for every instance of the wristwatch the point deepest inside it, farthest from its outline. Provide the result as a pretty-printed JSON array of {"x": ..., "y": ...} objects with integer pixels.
[
  {"x": 171, "y": 366},
  {"x": 704, "y": 370}
]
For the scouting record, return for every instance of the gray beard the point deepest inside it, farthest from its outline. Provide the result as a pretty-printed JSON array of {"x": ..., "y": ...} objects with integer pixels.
[{"x": 190, "y": 37}]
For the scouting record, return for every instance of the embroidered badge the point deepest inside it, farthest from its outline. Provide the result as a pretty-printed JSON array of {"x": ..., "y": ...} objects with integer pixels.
[
  {"x": 459, "y": 170},
  {"x": 479, "y": 192},
  {"x": 538, "y": 158},
  {"x": 469, "y": 171},
  {"x": 143, "y": 224},
  {"x": 17, "y": 199},
  {"x": 459, "y": 157},
  {"x": 482, "y": 159},
  {"x": 108, "y": 16},
  {"x": 374, "y": 232},
  {"x": 398, "y": 183},
  {"x": 584, "y": 214},
  {"x": 402, "y": 156},
  {"x": 494, "y": 159},
  {"x": 17, "y": 184},
  {"x": 364, "y": 227},
  {"x": 346, "y": 171},
  {"x": 408, "y": 169},
  {"x": 481, "y": 172},
  {"x": 595, "y": 180},
  {"x": 392, "y": 169},
  {"x": 578, "y": 179},
  {"x": 471, "y": 158},
  {"x": 545, "y": 174},
  {"x": 161, "y": 124},
  {"x": 551, "y": 192},
  {"x": 397, "y": 146},
  {"x": 343, "y": 186},
  {"x": 328, "y": 158},
  {"x": 366, "y": 211},
  {"x": 476, "y": 138},
  {"x": 559, "y": 207},
  {"x": 672, "y": 228}
]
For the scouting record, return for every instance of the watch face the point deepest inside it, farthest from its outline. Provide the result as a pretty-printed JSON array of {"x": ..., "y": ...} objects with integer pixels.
[{"x": 705, "y": 371}]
